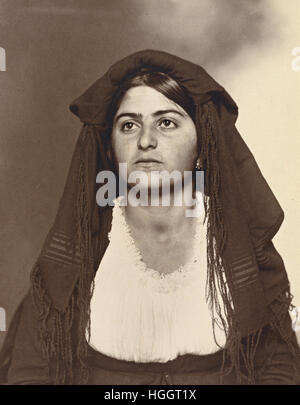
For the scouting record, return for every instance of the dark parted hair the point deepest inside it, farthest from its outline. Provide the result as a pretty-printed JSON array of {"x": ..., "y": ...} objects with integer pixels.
[{"x": 159, "y": 81}]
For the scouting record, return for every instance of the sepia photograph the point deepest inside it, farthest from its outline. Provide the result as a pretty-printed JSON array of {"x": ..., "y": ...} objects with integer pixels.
[{"x": 150, "y": 191}]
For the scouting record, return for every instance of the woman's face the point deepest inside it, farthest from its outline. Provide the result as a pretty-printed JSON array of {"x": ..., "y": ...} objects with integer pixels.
[{"x": 151, "y": 132}]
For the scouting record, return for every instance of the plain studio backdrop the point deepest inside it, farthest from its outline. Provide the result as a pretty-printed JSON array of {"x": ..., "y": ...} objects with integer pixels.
[{"x": 56, "y": 49}]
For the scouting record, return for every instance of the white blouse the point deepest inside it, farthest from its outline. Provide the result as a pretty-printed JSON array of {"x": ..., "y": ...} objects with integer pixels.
[{"x": 139, "y": 314}]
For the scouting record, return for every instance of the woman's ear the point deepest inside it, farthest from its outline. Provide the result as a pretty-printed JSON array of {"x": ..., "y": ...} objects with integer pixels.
[
  {"x": 111, "y": 160},
  {"x": 109, "y": 151},
  {"x": 109, "y": 154}
]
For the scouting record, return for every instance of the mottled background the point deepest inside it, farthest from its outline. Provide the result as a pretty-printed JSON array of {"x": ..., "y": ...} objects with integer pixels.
[{"x": 55, "y": 49}]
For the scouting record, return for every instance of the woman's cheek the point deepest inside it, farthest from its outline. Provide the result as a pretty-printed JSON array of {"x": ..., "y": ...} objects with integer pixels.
[
  {"x": 185, "y": 158},
  {"x": 121, "y": 149}
]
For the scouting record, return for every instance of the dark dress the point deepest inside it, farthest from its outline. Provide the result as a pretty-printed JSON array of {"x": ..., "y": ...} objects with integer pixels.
[{"x": 21, "y": 361}]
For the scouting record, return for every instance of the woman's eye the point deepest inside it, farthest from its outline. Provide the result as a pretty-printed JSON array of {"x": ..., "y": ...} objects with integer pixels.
[
  {"x": 127, "y": 126},
  {"x": 165, "y": 123},
  {"x": 168, "y": 123}
]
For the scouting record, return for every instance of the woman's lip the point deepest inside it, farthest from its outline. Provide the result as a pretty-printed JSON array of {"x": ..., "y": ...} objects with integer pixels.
[{"x": 148, "y": 163}]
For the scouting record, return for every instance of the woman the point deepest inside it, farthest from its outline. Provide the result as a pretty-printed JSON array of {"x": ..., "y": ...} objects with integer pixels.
[{"x": 125, "y": 294}]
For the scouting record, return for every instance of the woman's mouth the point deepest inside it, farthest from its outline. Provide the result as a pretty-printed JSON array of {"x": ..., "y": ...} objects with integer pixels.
[{"x": 152, "y": 164}]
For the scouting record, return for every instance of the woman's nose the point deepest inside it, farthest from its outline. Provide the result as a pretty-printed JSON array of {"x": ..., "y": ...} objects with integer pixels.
[{"x": 147, "y": 138}]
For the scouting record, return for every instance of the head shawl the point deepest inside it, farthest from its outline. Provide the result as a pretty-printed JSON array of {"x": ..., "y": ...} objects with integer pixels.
[{"x": 243, "y": 216}]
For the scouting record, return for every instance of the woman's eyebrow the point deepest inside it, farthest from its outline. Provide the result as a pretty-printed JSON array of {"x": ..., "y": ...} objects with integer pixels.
[{"x": 155, "y": 114}]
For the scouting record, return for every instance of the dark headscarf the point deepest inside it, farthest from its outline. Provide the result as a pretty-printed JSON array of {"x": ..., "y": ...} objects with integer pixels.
[{"x": 243, "y": 217}]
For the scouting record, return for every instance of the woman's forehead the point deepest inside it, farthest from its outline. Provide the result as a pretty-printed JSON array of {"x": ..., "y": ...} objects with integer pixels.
[{"x": 146, "y": 100}]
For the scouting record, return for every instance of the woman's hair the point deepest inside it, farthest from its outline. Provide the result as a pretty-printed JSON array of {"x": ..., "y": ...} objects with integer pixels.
[{"x": 159, "y": 81}]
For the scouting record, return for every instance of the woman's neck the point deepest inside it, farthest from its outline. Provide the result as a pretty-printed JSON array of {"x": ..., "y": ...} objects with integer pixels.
[{"x": 160, "y": 221}]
